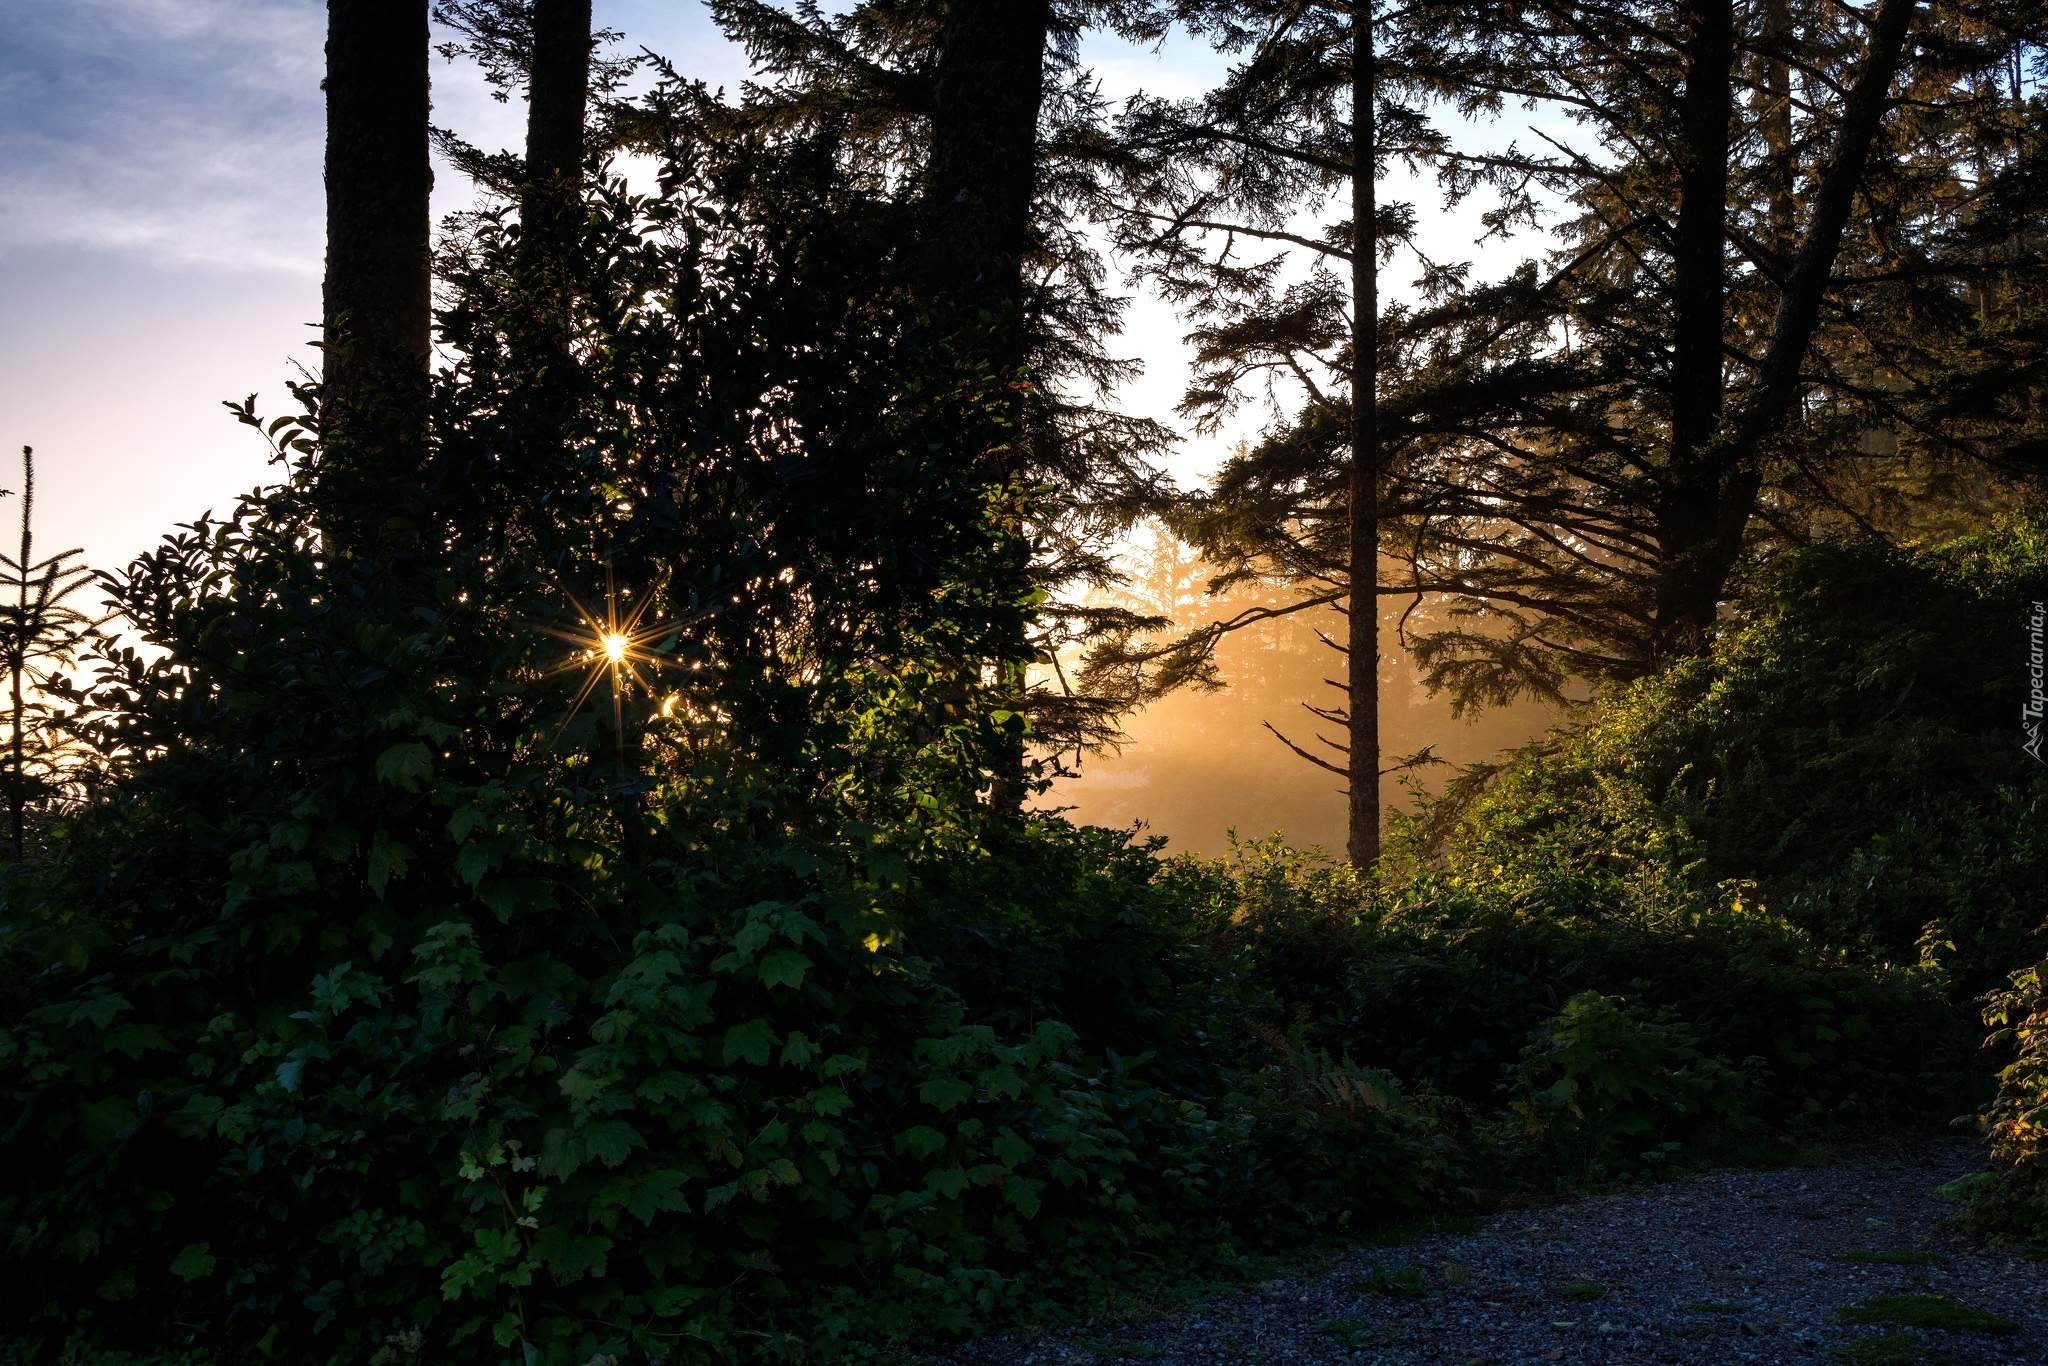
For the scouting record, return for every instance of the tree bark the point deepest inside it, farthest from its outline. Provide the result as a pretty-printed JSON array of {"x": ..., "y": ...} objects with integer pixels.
[
  {"x": 981, "y": 179},
  {"x": 983, "y": 169},
  {"x": 1688, "y": 516},
  {"x": 378, "y": 295},
  {"x": 557, "y": 95},
  {"x": 1733, "y": 459},
  {"x": 1363, "y": 650}
]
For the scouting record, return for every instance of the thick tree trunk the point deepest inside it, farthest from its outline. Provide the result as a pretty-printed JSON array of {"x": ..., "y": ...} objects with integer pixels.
[
  {"x": 980, "y": 182},
  {"x": 1729, "y": 471},
  {"x": 378, "y": 296},
  {"x": 558, "y": 92},
  {"x": 1688, "y": 516},
  {"x": 1363, "y": 652},
  {"x": 983, "y": 171}
]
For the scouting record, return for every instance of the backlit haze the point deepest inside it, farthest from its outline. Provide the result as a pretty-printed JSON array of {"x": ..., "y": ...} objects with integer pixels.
[{"x": 160, "y": 250}]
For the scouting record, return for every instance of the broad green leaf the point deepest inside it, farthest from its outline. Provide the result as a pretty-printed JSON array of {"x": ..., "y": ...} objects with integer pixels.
[
  {"x": 194, "y": 1262},
  {"x": 406, "y": 765},
  {"x": 611, "y": 1141},
  {"x": 783, "y": 968},
  {"x": 99, "y": 1010},
  {"x": 100, "y": 1123},
  {"x": 657, "y": 1192},
  {"x": 388, "y": 859},
  {"x": 750, "y": 1041},
  {"x": 920, "y": 1141},
  {"x": 945, "y": 1092},
  {"x": 571, "y": 1255}
]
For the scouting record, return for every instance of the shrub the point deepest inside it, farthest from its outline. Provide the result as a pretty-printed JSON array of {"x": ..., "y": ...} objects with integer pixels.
[
  {"x": 1603, "y": 1076},
  {"x": 2011, "y": 1202},
  {"x": 1848, "y": 748},
  {"x": 1445, "y": 978}
]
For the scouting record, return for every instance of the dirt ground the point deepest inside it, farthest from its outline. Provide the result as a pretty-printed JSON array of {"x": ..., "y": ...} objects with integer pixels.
[{"x": 1842, "y": 1263}]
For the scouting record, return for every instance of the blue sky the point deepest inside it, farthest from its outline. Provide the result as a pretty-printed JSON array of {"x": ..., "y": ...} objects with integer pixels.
[{"x": 160, "y": 238}]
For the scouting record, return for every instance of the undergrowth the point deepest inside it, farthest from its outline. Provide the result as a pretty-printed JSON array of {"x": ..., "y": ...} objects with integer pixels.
[{"x": 374, "y": 1004}]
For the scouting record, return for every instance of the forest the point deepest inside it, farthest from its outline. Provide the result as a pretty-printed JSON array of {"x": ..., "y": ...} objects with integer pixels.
[{"x": 571, "y": 871}]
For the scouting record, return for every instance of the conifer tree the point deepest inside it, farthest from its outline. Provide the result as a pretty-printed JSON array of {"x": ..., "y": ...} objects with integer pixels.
[
  {"x": 1204, "y": 194},
  {"x": 1764, "y": 222},
  {"x": 970, "y": 123},
  {"x": 1602, "y": 444}
]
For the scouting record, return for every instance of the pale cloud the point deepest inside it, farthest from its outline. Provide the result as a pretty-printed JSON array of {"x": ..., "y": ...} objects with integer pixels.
[
  {"x": 190, "y": 131},
  {"x": 177, "y": 130}
]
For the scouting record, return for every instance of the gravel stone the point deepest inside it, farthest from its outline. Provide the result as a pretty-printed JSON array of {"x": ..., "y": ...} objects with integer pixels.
[{"x": 1724, "y": 1267}]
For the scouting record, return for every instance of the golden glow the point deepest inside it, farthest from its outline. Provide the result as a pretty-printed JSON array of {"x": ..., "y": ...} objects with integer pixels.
[
  {"x": 1200, "y": 767},
  {"x": 614, "y": 647}
]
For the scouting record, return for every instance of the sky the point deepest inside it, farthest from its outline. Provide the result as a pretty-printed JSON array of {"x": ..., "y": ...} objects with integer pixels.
[
  {"x": 160, "y": 236},
  {"x": 161, "y": 241}
]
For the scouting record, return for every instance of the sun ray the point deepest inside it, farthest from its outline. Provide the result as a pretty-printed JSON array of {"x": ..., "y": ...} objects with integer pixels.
[{"x": 609, "y": 647}]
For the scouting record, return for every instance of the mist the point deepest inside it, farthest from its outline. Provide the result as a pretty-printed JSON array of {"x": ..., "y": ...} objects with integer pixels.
[{"x": 1201, "y": 767}]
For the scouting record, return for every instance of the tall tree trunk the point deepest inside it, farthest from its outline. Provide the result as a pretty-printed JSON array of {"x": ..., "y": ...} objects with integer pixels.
[
  {"x": 1687, "y": 590},
  {"x": 980, "y": 182},
  {"x": 1363, "y": 650},
  {"x": 983, "y": 172},
  {"x": 378, "y": 304},
  {"x": 1732, "y": 460},
  {"x": 557, "y": 94},
  {"x": 378, "y": 289}
]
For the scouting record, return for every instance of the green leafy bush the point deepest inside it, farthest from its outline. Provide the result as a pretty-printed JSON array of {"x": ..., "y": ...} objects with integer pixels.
[
  {"x": 2011, "y": 1201},
  {"x": 1445, "y": 978},
  {"x": 1849, "y": 750},
  {"x": 1602, "y": 1076}
]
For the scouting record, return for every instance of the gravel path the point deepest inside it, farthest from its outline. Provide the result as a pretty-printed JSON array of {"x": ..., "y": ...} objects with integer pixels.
[{"x": 1731, "y": 1266}]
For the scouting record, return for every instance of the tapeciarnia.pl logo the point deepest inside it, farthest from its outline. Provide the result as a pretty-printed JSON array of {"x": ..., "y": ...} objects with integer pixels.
[{"x": 2037, "y": 695}]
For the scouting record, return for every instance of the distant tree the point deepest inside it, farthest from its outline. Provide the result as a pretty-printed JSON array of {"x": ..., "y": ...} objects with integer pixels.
[
  {"x": 547, "y": 51},
  {"x": 40, "y": 631},
  {"x": 1206, "y": 195}
]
